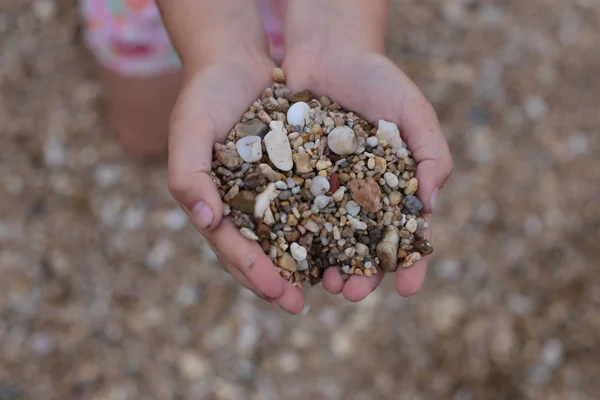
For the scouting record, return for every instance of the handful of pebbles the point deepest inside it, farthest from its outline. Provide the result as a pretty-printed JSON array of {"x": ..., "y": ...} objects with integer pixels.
[{"x": 317, "y": 186}]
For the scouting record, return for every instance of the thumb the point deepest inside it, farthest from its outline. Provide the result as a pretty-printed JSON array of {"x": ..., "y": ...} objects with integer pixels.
[{"x": 190, "y": 160}]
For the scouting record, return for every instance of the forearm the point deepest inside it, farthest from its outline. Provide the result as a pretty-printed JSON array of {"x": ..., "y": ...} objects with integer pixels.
[
  {"x": 337, "y": 23},
  {"x": 204, "y": 31}
]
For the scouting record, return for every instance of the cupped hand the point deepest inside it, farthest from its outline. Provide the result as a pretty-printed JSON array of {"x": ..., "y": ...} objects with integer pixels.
[
  {"x": 209, "y": 105},
  {"x": 373, "y": 86}
]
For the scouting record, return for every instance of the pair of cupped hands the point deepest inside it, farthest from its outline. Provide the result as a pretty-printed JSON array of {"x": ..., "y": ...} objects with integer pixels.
[{"x": 363, "y": 80}]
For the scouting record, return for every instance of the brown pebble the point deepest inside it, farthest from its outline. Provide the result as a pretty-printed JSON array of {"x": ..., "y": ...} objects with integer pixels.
[
  {"x": 265, "y": 245},
  {"x": 423, "y": 246},
  {"x": 334, "y": 182},
  {"x": 263, "y": 231},
  {"x": 278, "y": 75},
  {"x": 304, "y": 96},
  {"x": 402, "y": 254},
  {"x": 339, "y": 121},
  {"x": 291, "y": 236},
  {"x": 244, "y": 202},
  {"x": 254, "y": 127},
  {"x": 367, "y": 194}
]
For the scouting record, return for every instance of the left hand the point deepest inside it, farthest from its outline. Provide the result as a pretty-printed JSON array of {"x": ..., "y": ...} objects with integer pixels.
[{"x": 370, "y": 84}]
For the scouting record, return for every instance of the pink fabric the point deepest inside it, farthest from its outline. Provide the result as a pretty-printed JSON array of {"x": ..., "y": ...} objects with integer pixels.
[{"x": 128, "y": 37}]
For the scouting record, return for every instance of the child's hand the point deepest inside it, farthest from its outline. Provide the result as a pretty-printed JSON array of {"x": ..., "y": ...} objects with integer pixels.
[
  {"x": 210, "y": 103},
  {"x": 226, "y": 66},
  {"x": 345, "y": 63}
]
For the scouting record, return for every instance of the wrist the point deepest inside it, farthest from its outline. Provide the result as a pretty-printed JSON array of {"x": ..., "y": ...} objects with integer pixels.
[{"x": 333, "y": 25}]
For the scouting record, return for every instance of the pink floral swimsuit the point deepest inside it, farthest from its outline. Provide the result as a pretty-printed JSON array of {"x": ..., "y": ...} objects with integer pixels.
[{"x": 127, "y": 36}]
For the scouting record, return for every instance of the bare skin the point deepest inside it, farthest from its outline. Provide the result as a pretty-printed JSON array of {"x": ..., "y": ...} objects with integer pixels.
[{"x": 139, "y": 108}]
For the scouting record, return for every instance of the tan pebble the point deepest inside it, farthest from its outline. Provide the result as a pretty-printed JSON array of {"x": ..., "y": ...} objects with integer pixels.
[
  {"x": 323, "y": 173},
  {"x": 344, "y": 177},
  {"x": 232, "y": 193},
  {"x": 371, "y": 163},
  {"x": 402, "y": 254},
  {"x": 270, "y": 173},
  {"x": 285, "y": 274},
  {"x": 338, "y": 121},
  {"x": 228, "y": 157},
  {"x": 358, "y": 272},
  {"x": 323, "y": 164},
  {"x": 278, "y": 75},
  {"x": 255, "y": 127},
  {"x": 395, "y": 198},
  {"x": 387, "y": 249},
  {"x": 367, "y": 194},
  {"x": 248, "y": 234},
  {"x": 411, "y": 259},
  {"x": 298, "y": 180},
  {"x": 380, "y": 165},
  {"x": 411, "y": 225},
  {"x": 368, "y": 272},
  {"x": 303, "y": 165},
  {"x": 317, "y": 130},
  {"x": 264, "y": 117},
  {"x": 287, "y": 262},
  {"x": 411, "y": 186},
  {"x": 292, "y": 220}
]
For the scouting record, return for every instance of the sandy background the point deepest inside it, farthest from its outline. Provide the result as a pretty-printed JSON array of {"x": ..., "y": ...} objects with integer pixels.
[{"x": 107, "y": 293}]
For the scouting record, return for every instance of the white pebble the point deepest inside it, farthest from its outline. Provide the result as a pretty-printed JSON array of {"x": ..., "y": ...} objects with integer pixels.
[
  {"x": 277, "y": 126},
  {"x": 309, "y": 145},
  {"x": 324, "y": 241},
  {"x": 391, "y": 180},
  {"x": 279, "y": 150},
  {"x": 249, "y": 148},
  {"x": 264, "y": 199},
  {"x": 248, "y": 234},
  {"x": 353, "y": 208},
  {"x": 341, "y": 242},
  {"x": 321, "y": 201},
  {"x": 268, "y": 217},
  {"x": 302, "y": 265},
  {"x": 226, "y": 209},
  {"x": 281, "y": 185},
  {"x": 328, "y": 122},
  {"x": 342, "y": 141},
  {"x": 372, "y": 141},
  {"x": 389, "y": 132},
  {"x": 361, "y": 249},
  {"x": 298, "y": 114},
  {"x": 298, "y": 252},
  {"x": 290, "y": 182},
  {"x": 339, "y": 194},
  {"x": 402, "y": 153},
  {"x": 319, "y": 185},
  {"x": 296, "y": 189},
  {"x": 368, "y": 265},
  {"x": 356, "y": 224},
  {"x": 412, "y": 225},
  {"x": 371, "y": 163},
  {"x": 328, "y": 226},
  {"x": 336, "y": 233},
  {"x": 350, "y": 251}
]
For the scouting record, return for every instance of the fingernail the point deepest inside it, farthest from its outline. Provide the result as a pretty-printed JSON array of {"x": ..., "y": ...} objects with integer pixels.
[
  {"x": 433, "y": 198},
  {"x": 203, "y": 215}
]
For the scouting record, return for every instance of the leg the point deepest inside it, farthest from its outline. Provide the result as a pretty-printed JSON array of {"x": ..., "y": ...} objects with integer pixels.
[{"x": 139, "y": 109}]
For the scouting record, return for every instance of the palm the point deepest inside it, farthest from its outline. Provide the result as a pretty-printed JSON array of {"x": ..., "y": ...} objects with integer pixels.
[{"x": 373, "y": 86}]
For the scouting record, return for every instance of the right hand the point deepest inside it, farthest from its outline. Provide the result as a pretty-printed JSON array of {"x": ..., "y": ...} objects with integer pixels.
[{"x": 211, "y": 102}]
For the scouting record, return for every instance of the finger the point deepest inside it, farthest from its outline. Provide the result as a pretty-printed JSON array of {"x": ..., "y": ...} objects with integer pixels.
[
  {"x": 236, "y": 274},
  {"x": 292, "y": 300},
  {"x": 248, "y": 258},
  {"x": 410, "y": 280},
  {"x": 333, "y": 281},
  {"x": 357, "y": 288}
]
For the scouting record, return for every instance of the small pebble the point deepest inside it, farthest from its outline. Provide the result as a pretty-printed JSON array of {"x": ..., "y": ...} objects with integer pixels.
[
  {"x": 372, "y": 141},
  {"x": 298, "y": 252},
  {"x": 342, "y": 141},
  {"x": 319, "y": 186},
  {"x": 248, "y": 234},
  {"x": 391, "y": 180},
  {"x": 353, "y": 208}
]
